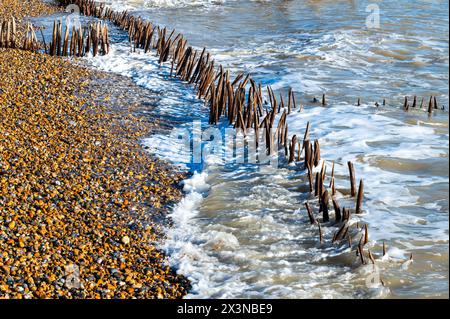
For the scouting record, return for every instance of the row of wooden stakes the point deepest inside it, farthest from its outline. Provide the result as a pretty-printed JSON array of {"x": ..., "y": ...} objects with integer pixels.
[
  {"x": 82, "y": 40},
  {"x": 240, "y": 101},
  {"x": 9, "y": 36},
  {"x": 8, "y": 33},
  {"x": 432, "y": 104},
  {"x": 430, "y": 107}
]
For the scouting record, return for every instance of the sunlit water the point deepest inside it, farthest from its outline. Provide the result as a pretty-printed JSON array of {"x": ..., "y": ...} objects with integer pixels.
[{"x": 242, "y": 231}]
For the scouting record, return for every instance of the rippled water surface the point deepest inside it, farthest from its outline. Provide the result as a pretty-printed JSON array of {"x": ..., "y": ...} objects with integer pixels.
[{"x": 242, "y": 231}]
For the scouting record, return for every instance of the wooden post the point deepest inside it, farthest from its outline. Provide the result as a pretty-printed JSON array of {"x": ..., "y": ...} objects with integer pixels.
[
  {"x": 306, "y": 136},
  {"x": 360, "y": 197},
  {"x": 351, "y": 169},
  {"x": 310, "y": 178},
  {"x": 430, "y": 105},
  {"x": 292, "y": 149},
  {"x": 337, "y": 210},
  {"x": 320, "y": 233},
  {"x": 366, "y": 234},
  {"x": 310, "y": 211},
  {"x": 324, "y": 206},
  {"x": 316, "y": 152}
]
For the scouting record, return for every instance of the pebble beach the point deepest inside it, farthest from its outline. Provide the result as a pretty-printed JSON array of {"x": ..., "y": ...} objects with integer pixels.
[{"x": 79, "y": 197}]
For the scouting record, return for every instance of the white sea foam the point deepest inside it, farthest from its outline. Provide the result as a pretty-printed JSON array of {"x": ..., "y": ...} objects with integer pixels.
[
  {"x": 181, "y": 3},
  {"x": 120, "y": 5}
]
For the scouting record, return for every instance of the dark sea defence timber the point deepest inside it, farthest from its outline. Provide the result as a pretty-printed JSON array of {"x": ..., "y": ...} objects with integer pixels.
[
  {"x": 71, "y": 41},
  {"x": 80, "y": 200}
]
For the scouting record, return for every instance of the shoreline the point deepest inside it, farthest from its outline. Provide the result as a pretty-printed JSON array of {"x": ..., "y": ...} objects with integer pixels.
[{"x": 79, "y": 192}]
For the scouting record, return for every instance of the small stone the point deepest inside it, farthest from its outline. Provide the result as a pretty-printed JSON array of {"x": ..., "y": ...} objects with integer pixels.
[{"x": 126, "y": 240}]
